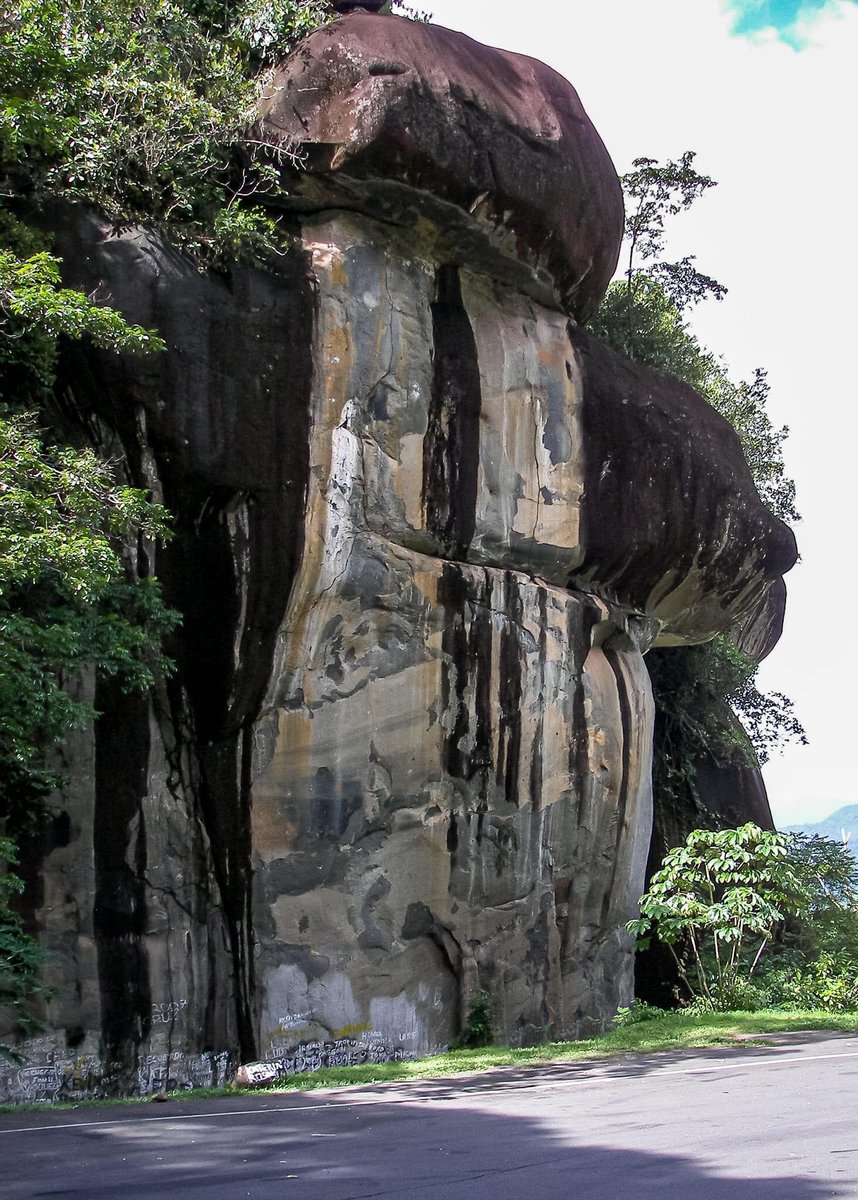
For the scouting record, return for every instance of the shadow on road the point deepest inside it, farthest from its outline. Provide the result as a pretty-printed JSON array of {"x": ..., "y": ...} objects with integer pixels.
[{"x": 336, "y": 1149}]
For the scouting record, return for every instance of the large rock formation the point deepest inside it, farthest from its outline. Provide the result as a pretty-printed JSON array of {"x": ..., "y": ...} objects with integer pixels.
[{"x": 426, "y": 529}]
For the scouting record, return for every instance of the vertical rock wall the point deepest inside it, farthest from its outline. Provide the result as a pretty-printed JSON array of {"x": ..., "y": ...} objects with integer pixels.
[{"x": 450, "y": 752}]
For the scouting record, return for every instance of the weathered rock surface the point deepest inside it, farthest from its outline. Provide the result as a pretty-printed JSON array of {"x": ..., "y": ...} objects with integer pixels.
[
  {"x": 759, "y": 632},
  {"x": 412, "y": 121},
  {"x": 426, "y": 529}
]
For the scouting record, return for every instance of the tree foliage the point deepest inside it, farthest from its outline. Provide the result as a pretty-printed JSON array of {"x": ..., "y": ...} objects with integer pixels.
[
  {"x": 144, "y": 110},
  {"x": 33, "y": 298},
  {"x": 700, "y": 687},
  {"x": 69, "y": 598},
  {"x": 655, "y": 192},
  {"x": 754, "y": 918},
  {"x": 717, "y": 902},
  {"x": 140, "y": 109},
  {"x": 815, "y": 963},
  {"x": 645, "y": 315}
]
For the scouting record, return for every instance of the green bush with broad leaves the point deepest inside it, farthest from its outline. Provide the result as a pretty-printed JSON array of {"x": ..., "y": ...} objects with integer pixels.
[
  {"x": 479, "y": 1027},
  {"x": 716, "y": 903},
  {"x": 756, "y": 919},
  {"x": 815, "y": 962}
]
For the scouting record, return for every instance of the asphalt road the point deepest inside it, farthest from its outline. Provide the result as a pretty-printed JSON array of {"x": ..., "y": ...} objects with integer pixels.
[{"x": 754, "y": 1123}]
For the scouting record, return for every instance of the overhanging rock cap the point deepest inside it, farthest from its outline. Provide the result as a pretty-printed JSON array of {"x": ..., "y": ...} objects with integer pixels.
[{"x": 502, "y": 138}]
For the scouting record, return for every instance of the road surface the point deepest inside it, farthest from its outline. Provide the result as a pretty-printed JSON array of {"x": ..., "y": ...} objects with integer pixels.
[{"x": 759, "y": 1122}]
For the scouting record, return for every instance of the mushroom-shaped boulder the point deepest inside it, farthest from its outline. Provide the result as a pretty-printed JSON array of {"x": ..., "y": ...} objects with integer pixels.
[{"x": 500, "y": 141}]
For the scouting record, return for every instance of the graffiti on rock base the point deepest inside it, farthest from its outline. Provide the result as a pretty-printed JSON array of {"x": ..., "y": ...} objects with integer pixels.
[
  {"x": 48, "y": 1075},
  {"x": 56, "y": 1077},
  {"x": 340, "y": 1052}
]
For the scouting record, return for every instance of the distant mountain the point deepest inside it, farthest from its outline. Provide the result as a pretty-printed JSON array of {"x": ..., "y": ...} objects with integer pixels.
[{"x": 844, "y": 820}]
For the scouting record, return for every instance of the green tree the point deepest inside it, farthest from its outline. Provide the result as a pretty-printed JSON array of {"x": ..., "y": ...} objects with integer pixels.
[
  {"x": 755, "y": 918},
  {"x": 815, "y": 963},
  {"x": 141, "y": 110},
  {"x": 645, "y": 316},
  {"x": 69, "y": 598},
  {"x": 145, "y": 111},
  {"x": 717, "y": 903},
  {"x": 653, "y": 193},
  {"x": 699, "y": 688}
]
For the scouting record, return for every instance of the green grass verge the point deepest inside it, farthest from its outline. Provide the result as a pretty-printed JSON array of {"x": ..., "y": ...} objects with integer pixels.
[
  {"x": 670, "y": 1032},
  {"x": 674, "y": 1031}
]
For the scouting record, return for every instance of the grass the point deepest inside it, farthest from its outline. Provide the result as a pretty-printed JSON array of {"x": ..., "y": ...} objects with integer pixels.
[{"x": 671, "y": 1031}]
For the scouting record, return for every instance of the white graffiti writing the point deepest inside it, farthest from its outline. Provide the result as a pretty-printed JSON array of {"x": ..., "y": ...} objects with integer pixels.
[
  {"x": 87, "y": 1077},
  {"x": 341, "y": 1052},
  {"x": 163, "y": 1014},
  {"x": 293, "y": 1019}
]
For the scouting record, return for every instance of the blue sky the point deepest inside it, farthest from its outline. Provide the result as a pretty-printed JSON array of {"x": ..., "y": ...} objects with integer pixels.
[{"x": 791, "y": 20}]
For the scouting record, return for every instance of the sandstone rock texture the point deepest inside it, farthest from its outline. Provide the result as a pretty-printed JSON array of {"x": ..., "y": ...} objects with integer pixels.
[{"x": 426, "y": 531}]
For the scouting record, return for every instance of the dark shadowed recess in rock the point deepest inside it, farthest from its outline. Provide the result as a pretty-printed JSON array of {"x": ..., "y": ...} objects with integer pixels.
[
  {"x": 119, "y": 913},
  {"x": 375, "y": 936},
  {"x": 626, "y": 732},
  {"x": 536, "y": 1027},
  {"x": 300, "y": 872},
  {"x": 33, "y": 847},
  {"x": 467, "y": 645},
  {"x": 452, "y": 443},
  {"x": 509, "y": 720},
  {"x": 579, "y": 629},
  {"x": 421, "y": 922},
  {"x": 537, "y": 750}
]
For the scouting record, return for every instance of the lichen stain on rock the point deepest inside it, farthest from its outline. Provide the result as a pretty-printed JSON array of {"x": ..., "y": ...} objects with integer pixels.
[{"x": 426, "y": 531}]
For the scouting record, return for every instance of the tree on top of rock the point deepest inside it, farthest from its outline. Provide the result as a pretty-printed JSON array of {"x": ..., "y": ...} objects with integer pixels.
[{"x": 645, "y": 316}]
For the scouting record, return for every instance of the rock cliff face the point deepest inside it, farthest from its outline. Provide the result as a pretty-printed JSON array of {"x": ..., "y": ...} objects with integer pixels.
[{"x": 426, "y": 529}]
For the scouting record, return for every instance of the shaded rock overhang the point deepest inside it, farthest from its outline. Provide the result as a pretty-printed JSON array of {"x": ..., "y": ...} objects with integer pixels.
[
  {"x": 672, "y": 523},
  {"x": 494, "y": 147}
]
